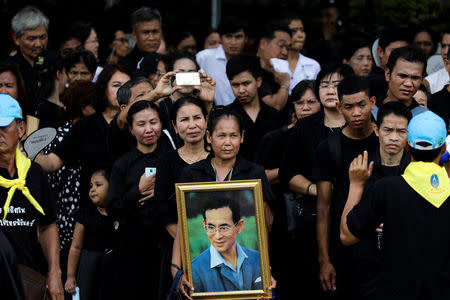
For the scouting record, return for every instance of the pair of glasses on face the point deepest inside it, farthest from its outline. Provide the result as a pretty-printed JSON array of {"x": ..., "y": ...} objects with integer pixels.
[
  {"x": 328, "y": 86},
  {"x": 223, "y": 229}
]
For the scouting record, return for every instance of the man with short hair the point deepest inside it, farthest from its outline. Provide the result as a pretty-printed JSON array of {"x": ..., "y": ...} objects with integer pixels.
[
  {"x": 30, "y": 34},
  {"x": 225, "y": 265},
  {"x": 233, "y": 36},
  {"x": 439, "y": 79},
  {"x": 333, "y": 159},
  {"x": 146, "y": 24},
  {"x": 404, "y": 73},
  {"x": 390, "y": 160},
  {"x": 415, "y": 210},
  {"x": 244, "y": 73},
  {"x": 274, "y": 43},
  {"x": 27, "y": 205},
  {"x": 390, "y": 39}
]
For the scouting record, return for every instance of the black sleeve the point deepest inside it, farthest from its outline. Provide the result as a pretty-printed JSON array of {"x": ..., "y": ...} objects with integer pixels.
[
  {"x": 70, "y": 147},
  {"x": 323, "y": 164},
  {"x": 291, "y": 160},
  {"x": 264, "y": 90},
  {"x": 120, "y": 141},
  {"x": 366, "y": 216},
  {"x": 121, "y": 200},
  {"x": 47, "y": 201},
  {"x": 164, "y": 192}
]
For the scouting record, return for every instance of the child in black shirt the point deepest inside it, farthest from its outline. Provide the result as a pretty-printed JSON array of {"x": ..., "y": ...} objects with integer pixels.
[{"x": 92, "y": 245}]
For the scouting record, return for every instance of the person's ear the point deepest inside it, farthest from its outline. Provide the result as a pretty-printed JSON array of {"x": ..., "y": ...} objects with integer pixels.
[
  {"x": 387, "y": 74},
  {"x": 133, "y": 34},
  {"x": 203, "y": 222},
  {"x": 242, "y": 136},
  {"x": 208, "y": 137},
  {"x": 15, "y": 39},
  {"x": 338, "y": 107},
  {"x": 174, "y": 127},
  {"x": 240, "y": 225},
  {"x": 376, "y": 130},
  {"x": 345, "y": 61},
  {"x": 22, "y": 129},
  {"x": 258, "y": 82},
  {"x": 372, "y": 101},
  {"x": 380, "y": 52},
  {"x": 262, "y": 44}
]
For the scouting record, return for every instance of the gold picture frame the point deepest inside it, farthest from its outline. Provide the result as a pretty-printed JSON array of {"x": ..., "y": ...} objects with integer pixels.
[{"x": 192, "y": 198}]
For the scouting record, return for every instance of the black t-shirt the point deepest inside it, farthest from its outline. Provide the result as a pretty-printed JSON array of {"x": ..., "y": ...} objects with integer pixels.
[
  {"x": 378, "y": 85},
  {"x": 50, "y": 114},
  {"x": 268, "y": 85},
  {"x": 98, "y": 229},
  {"x": 440, "y": 104},
  {"x": 130, "y": 61},
  {"x": 10, "y": 280},
  {"x": 20, "y": 225},
  {"x": 268, "y": 119},
  {"x": 167, "y": 174},
  {"x": 416, "y": 240},
  {"x": 302, "y": 144},
  {"x": 123, "y": 193},
  {"x": 87, "y": 145},
  {"x": 329, "y": 170}
]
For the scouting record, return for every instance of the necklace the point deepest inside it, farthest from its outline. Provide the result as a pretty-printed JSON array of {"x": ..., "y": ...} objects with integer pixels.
[
  {"x": 327, "y": 124},
  {"x": 189, "y": 160},
  {"x": 215, "y": 171}
]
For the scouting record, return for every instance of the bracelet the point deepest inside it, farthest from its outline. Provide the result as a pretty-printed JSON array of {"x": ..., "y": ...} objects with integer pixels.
[
  {"x": 175, "y": 266},
  {"x": 284, "y": 87},
  {"x": 308, "y": 187}
]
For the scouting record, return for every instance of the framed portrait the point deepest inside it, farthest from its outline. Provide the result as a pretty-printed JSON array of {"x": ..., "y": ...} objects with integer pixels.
[{"x": 224, "y": 239}]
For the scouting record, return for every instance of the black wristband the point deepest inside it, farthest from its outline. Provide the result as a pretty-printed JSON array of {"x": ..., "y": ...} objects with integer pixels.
[
  {"x": 175, "y": 266},
  {"x": 308, "y": 187}
]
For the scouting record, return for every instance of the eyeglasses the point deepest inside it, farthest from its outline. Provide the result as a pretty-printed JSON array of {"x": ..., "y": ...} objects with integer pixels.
[
  {"x": 224, "y": 229},
  {"x": 306, "y": 102}
]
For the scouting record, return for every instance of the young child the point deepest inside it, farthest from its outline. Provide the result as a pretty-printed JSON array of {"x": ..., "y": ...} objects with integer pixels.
[{"x": 91, "y": 250}]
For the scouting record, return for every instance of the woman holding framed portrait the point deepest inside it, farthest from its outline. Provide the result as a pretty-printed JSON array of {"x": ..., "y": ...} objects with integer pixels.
[{"x": 225, "y": 135}]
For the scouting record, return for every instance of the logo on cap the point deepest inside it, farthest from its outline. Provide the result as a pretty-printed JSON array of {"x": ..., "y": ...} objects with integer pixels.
[{"x": 434, "y": 181}]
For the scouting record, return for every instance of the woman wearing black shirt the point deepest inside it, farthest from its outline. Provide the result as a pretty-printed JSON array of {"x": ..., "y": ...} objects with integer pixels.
[
  {"x": 225, "y": 136},
  {"x": 188, "y": 116},
  {"x": 86, "y": 144},
  {"x": 131, "y": 202}
]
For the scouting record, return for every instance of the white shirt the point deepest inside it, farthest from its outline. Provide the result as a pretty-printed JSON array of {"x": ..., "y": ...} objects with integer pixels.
[
  {"x": 438, "y": 80},
  {"x": 214, "y": 63},
  {"x": 306, "y": 68}
]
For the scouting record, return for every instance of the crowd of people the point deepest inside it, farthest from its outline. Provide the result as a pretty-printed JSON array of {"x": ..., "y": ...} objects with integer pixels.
[{"x": 347, "y": 146}]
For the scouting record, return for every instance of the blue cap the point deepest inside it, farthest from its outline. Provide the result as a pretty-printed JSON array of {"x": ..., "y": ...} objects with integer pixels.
[
  {"x": 9, "y": 110},
  {"x": 429, "y": 128}
]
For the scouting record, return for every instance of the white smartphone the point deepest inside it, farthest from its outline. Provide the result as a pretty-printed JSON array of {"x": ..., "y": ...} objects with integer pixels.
[
  {"x": 149, "y": 171},
  {"x": 188, "y": 78},
  {"x": 77, "y": 294}
]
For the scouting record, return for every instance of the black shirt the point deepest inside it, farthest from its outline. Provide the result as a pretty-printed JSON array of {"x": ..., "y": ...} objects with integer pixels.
[
  {"x": 130, "y": 61},
  {"x": 440, "y": 104},
  {"x": 242, "y": 170},
  {"x": 268, "y": 85},
  {"x": 98, "y": 229},
  {"x": 123, "y": 193},
  {"x": 165, "y": 107},
  {"x": 50, "y": 114},
  {"x": 268, "y": 119},
  {"x": 10, "y": 280},
  {"x": 302, "y": 143},
  {"x": 167, "y": 174},
  {"x": 87, "y": 145},
  {"x": 416, "y": 240},
  {"x": 20, "y": 225},
  {"x": 30, "y": 77}
]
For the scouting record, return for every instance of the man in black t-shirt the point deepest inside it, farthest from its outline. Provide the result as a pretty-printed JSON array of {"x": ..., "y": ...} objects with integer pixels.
[
  {"x": 27, "y": 205},
  {"x": 415, "y": 211},
  {"x": 390, "y": 160},
  {"x": 404, "y": 73},
  {"x": 244, "y": 73},
  {"x": 334, "y": 156}
]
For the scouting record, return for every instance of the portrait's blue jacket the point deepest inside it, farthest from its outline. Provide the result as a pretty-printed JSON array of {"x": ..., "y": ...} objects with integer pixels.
[{"x": 220, "y": 278}]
